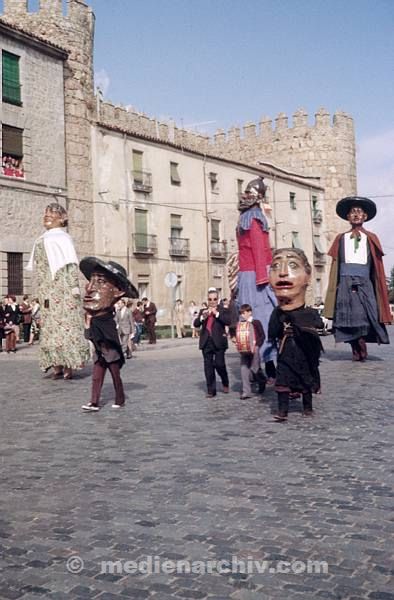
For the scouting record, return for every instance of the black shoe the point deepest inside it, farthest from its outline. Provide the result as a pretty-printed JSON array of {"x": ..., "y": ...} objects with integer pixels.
[{"x": 280, "y": 418}]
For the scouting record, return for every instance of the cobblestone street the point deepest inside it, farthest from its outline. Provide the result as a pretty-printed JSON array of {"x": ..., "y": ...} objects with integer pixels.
[{"x": 175, "y": 476}]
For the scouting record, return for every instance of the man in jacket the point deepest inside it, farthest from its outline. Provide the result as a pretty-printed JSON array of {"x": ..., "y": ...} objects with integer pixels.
[
  {"x": 125, "y": 324},
  {"x": 150, "y": 311},
  {"x": 357, "y": 297},
  {"x": 213, "y": 342}
]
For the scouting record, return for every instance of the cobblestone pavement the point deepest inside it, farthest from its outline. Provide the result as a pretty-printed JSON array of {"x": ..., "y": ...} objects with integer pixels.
[{"x": 177, "y": 476}]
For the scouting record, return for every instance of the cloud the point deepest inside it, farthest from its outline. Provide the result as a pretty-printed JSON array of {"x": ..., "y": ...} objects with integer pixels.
[
  {"x": 375, "y": 167},
  {"x": 102, "y": 80}
]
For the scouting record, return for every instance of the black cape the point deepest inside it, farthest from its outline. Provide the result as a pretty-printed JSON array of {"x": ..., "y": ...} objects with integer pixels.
[
  {"x": 103, "y": 331},
  {"x": 299, "y": 348}
]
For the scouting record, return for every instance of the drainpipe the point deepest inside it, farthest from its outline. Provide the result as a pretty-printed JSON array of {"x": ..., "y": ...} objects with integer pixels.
[
  {"x": 206, "y": 219},
  {"x": 127, "y": 196}
]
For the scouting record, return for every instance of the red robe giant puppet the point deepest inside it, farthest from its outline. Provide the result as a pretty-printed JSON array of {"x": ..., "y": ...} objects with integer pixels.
[{"x": 255, "y": 256}]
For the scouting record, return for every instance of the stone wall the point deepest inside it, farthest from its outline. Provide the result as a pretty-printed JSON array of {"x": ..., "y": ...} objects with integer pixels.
[
  {"x": 73, "y": 32},
  {"x": 325, "y": 149}
]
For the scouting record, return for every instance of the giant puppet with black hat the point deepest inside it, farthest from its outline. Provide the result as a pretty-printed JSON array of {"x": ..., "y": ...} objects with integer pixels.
[
  {"x": 107, "y": 283},
  {"x": 357, "y": 296}
]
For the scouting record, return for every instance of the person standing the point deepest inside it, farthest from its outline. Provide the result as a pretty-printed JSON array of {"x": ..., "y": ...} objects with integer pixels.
[
  {"x": 249, "y": 337},
  {"x": 179, "y": 318},
  {"x": 357, "y": 295},
  {"x": 13, "y": 318},
  {"x": 254, "y": 257},
  {"x": 138, "y": 318},
  {"x": 125, "y": 324},
  {"x": 213, "y": 342},
  {"x": 35, "y": 321},
  {"x": 193, "y": 314},
  {"x": 2, "y": 324},
  {"x": 150, "y": 311},
  {"x": 63, "y": 346},
  {"x": 26, "y": 310}
]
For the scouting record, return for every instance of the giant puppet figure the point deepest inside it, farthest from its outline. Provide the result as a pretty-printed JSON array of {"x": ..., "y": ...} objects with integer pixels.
[
  {"x": 357, "y": 298},
  {"x": 254, "y": 256},
  {"x": 107, "y": 283},
  {"x": 293, "y": 326},
  {"x": 62, "y": 343}
]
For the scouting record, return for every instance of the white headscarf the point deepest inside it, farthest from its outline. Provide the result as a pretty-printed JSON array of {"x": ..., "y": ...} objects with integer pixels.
[{"x": 59, "y": 249}]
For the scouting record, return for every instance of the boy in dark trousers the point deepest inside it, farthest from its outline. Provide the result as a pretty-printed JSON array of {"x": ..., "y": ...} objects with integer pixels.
[{"x": 250, "y": 351}]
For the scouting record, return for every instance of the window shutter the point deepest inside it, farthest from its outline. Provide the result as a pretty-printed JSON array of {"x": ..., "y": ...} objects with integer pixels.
[
  {"x": 295, "y": 241},
  {"x": 174, "y": 173},
  {"x": 137, "y": 165},
  {"x": 141, "y": 222},
  {"x": 318, "y": 246},
  {"x": 215, "y": 230},
  {"x": 12, "y": 141},
  {"x": 10, "y": 77}
]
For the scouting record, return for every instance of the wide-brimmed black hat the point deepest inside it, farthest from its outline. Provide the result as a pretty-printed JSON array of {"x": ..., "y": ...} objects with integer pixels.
[
  {"x": 346, "y": 204},
  {"x": 115, "y": 271}
]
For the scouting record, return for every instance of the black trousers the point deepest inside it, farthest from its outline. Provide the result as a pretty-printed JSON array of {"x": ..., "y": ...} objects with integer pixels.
[
  {"x": 214, "y": 360},
  {"x": 283, "y": 402},
  {"x": 150, "y": 324},
  {"x": 26, "y": 331}
]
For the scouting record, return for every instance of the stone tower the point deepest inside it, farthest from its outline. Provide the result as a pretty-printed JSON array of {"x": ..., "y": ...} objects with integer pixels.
[
  {"x": 74, "y": 32},
  {"x": 325, "y": 149}
]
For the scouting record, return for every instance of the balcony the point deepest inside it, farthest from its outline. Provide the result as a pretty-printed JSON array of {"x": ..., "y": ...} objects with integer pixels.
[
  {"x": 142, "y": 181},
  {"x": 317, "y": 216},
  {"x": 144, "y": 244},
  {"x": 218, "y": 249},
  {"x": 179, "y": 247},
  {"x": 319, "y": 260}
]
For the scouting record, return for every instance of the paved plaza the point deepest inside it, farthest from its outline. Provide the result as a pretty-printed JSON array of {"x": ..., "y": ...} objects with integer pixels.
[{"x": 93, "y": 505}]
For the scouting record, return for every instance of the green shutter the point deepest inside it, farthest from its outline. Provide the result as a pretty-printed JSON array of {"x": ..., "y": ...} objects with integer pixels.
[
  {"x": 10, "y": 78},
  {"x": 215, "y": 230},
  {"x": 137, "y": 165},
  {"x": 141, "y": 222}
]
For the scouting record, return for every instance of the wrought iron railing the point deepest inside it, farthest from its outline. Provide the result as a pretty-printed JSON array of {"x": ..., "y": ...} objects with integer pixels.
[
  {"x": 144, "y": 243},
  {"x": 218, "y": 249},
  {"x": 179, "y": 247},
  {"x": 142, "y": 181}
]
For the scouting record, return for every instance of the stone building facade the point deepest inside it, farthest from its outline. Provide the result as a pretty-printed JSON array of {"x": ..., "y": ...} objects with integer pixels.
[
  {"x": 73, "y": 32},
  {"x": 161, "y": 208},
  {"x": 33, "y": 171}
]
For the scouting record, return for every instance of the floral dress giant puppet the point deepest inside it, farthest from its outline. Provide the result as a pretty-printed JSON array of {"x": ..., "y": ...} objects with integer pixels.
[
  {"x": 254, "y": 258},
  {"x": 63, "y": 346}
]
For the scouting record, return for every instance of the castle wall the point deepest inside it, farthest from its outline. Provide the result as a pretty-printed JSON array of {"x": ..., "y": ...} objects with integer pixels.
[
  {"x": 325, "y": 149},
  {"x": 74, "y": 32}
]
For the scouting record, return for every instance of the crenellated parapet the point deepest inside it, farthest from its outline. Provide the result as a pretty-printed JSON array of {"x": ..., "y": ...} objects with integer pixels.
[{"x": 130, "y": 121}]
